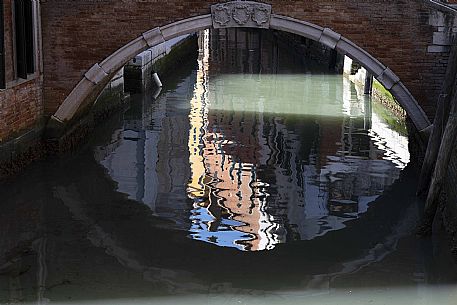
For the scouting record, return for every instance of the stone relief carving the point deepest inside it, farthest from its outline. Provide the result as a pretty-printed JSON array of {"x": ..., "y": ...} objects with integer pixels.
[
  {"x": 261, "y": 15},
  {"x": 241, "y": 14},
  {"x": 221, "y": 15}
]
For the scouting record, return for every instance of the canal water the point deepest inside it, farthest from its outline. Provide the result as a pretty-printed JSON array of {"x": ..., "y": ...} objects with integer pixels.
[{"x": 252, "y": 177}]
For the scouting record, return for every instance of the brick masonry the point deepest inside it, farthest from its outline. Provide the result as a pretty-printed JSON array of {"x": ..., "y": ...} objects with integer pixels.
[
  {"x": 408, "y": 36},
  {"x": 21, "y": 104},
  {"x": 21, "y": 108},
  {"x": 402, "y": 34},
  {"x": 79, "y": 33}
]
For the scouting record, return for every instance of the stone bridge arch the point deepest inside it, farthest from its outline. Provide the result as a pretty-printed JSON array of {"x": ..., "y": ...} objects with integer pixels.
[{"x": 260, "y": 15}]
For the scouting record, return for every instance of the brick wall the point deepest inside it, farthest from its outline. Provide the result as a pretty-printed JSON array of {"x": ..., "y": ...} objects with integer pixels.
[
  {"x": 21, "y": 108},
  {"x": 21, "y": 104},
  {"x": 79, "y": 33}
]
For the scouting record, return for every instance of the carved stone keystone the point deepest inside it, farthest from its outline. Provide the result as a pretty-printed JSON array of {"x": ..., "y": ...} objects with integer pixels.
[{"x": 241, "y": 14}]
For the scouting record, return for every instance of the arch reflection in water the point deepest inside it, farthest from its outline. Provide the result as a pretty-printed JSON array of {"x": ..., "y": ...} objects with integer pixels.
[
  {"x": 271, "y": 150},
  {"x": 277, "y": 157}
]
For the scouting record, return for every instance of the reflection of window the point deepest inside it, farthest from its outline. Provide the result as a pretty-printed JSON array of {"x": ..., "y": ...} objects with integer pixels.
[{"x": 23, "y": 21}]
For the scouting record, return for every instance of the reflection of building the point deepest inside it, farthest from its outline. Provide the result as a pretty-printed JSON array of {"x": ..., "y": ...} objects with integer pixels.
[
  {"x": 261, "y": 174},
  {"x": 260, "y": 157},
  {"x": 227, "y": 196},
  {"x": 146, "y": 157}
]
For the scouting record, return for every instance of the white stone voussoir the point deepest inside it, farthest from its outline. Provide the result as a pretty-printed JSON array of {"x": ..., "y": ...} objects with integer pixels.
[
  {"x": 153, "y": 37},
  {"x": 387, "y": 78},
  {"x": 95, "y": 74},
  {"x": 186, "y": 26},
  {"x": 291, "y": 25},
  {"x": 329, "y": 38},
  {"x": 347, "y": 47},
  {"x": 119, "y": 58},
  {"x": 71, "y": 104}
]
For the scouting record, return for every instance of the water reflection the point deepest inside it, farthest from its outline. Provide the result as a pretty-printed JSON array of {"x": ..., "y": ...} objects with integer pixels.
[
  {"x": 264, "y": 158},
  {"x": 115, "y": 229},
  {"x": 280, "y": 157}
]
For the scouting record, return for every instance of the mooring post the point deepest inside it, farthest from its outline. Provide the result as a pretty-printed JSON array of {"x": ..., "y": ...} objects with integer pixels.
[
  {"x": 434, "y": 142},
  {"x": 441, "y": 117},
  {"x": 368, "y": 84},
  {"x": 439, "y": 175}
]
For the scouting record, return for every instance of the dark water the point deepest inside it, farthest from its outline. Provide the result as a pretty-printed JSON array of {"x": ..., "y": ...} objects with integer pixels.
[{"x": 253, "y": 178}]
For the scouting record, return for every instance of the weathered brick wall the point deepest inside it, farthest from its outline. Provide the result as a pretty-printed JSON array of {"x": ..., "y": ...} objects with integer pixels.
[
  {"x": 79, "y": 33},
  {"x": 21, "y": 104},
  {"x": 21, "y": 108}
]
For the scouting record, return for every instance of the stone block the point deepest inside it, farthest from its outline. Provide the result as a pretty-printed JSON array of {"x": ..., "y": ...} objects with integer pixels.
[
  {"x": 301, "y": 28},
  {"x": 158, "y": 51},
  {"x": 387, "y": 78},
  {"x": 437, "y": 18},
  {"x": 71, "y": 104},
  {"x": 437, "y": 49},
  {"x": 350, "y": 49},
  {"x": 153, "y": 37},
  {"x": 187, "y": 26},
  {"x": 329, "y": 38},
  {"x": 442, "y": 38},
  {"x": 119, "y": 58},
  {"x": 95, "y": 74},
  {"x": 142, "y": 59}
]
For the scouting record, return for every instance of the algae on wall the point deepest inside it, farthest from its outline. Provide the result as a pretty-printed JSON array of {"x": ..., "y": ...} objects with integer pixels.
[{"x": 387, "y": 107}]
